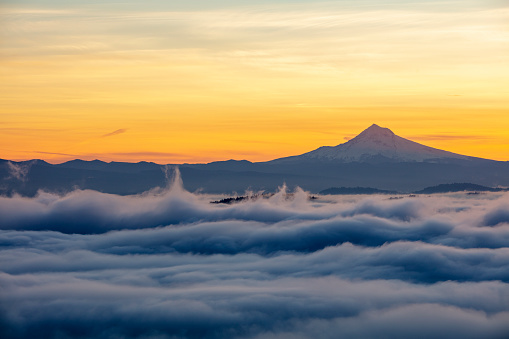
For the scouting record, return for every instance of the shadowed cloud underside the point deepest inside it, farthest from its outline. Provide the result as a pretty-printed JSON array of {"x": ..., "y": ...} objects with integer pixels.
[{"x": 168, "y": 264}]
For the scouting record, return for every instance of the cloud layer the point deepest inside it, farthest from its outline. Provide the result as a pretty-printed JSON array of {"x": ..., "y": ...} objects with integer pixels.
[{"x": 168, "y": 264}]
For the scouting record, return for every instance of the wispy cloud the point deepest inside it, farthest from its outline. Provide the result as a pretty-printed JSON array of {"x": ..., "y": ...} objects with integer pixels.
[
  {"x": 449, "y": 137},
  {"x": 55, "y": 153},
  {"x": 263, "y": 57},
  {"x": 36, "y": 11},
  {"x": 117, "y": 132},
  {"x": 145, "y": 153},
  {"x": 19, "y": 171}
]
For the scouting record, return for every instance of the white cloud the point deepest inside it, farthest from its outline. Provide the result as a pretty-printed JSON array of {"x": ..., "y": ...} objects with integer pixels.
[{"x": 168, "y": 264}]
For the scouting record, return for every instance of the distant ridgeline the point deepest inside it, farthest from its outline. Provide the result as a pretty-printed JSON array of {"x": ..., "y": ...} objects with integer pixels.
[
  {"x": 354, "y": 190},
  {"x": 459, "y": 187},
  {"x": 374, "y": 158},
  {"x": 442, "y": 188}
]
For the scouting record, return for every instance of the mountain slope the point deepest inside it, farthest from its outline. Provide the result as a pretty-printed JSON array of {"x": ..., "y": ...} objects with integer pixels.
[{"x": 376, "y": 144}]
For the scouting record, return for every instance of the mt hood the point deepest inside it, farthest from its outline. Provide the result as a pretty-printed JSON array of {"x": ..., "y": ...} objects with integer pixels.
[{"x": 378, "y": 144}]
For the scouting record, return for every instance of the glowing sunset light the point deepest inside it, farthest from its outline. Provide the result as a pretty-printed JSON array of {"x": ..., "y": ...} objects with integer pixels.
[{"x": 173, "y": 83}]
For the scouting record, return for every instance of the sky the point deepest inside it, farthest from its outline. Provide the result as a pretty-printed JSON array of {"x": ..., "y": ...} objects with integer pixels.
[
  {"x": 169, "y": 264},
  {"x": 198, "y": 81}
]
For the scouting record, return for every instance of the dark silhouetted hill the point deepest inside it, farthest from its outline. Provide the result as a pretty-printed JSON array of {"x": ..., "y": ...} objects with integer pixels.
[{"x": 458, "y": 187}]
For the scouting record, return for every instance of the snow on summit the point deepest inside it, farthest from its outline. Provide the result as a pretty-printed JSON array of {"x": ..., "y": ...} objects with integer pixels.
[{"x": 378, "y": 143}]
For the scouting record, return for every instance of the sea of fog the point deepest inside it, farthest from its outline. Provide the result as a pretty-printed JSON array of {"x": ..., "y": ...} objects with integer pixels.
[{"x": 169, "y": 264}]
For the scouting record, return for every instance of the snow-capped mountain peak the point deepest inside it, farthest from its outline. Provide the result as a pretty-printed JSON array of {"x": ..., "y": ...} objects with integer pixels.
[
  {"x": 376, "y": 131},
  {"x": 379, "y": 144}
]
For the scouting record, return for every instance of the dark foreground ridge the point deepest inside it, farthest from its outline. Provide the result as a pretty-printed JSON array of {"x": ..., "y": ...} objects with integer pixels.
[{"x": 237, "y": 199}]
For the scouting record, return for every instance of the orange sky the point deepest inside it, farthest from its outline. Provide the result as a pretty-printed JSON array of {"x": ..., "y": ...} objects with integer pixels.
[{"x": 254, "y": 81}]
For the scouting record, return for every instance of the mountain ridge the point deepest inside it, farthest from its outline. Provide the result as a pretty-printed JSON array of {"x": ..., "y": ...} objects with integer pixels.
[
  {"x": 375, "y": 158},
  {"x": 377, "y": 144}
]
